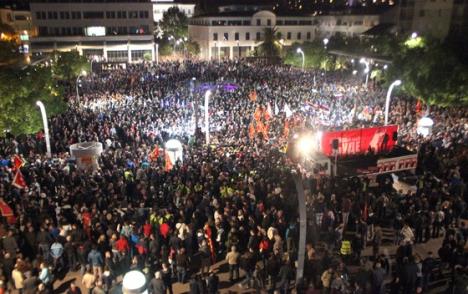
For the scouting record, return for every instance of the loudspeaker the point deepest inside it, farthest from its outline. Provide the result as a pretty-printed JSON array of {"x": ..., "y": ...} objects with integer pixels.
[
  {"x": 395, "y": 136},
  {"x": 335, "y": 144}
]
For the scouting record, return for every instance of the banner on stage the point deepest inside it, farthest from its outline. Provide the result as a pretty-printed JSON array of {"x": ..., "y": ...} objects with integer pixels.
[{"x": 360, "y": 141}]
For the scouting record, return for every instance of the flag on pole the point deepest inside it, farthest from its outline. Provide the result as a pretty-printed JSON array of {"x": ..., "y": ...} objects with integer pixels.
[
  {"x": 154, "y": 154},
  {"x": 7, "y": 212},
  {"x": 18, "y": 181},
  {"x": 276, "y": 109},
  {"x": 287, "y": 110},
  {"x": 168, "y": 165},
  {"x": 17, "y": 162}
]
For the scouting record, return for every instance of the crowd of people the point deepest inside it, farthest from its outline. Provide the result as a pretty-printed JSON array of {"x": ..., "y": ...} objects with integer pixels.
[{"x": 234, "y": 200}]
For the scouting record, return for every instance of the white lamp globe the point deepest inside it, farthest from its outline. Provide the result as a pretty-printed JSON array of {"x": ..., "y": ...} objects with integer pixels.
[{"x": 134, "y": 282}]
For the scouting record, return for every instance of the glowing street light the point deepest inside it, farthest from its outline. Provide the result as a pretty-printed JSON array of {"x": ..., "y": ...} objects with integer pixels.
[
  {"x": 46, "y": 127},
  {"x": 414, "y": 35},
  {"x": 207, "y": 117},
  {"x": 367, "y": 70},
  {"x": 134, "y": 282},
  {"x": 424, "y": 126},
  {"x": 387, "y": 101},
  {"x": 325, "y": 42},
  {"x": 82, "y": 74},
  {"x": 299, "y": 50}
]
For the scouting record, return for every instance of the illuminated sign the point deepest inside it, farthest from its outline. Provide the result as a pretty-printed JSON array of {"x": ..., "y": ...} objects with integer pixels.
[{"x": 95, "y": 31}]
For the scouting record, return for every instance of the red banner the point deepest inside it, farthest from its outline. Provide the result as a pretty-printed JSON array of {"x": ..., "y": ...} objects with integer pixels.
[{"x": 360, "y": 141}]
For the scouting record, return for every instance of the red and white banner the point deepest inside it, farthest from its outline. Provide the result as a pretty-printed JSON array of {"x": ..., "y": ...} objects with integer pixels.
[
  {"x": 359, "y": 141},
  {"x": 407, "y": 162}
]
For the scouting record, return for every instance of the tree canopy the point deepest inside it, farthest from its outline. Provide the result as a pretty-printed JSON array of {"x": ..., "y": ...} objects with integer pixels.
[
  {"x": 174, "y": 23},
  {"x": 270, "y": 46},
  {"x": 19, "y": 91},
  {"x": 68, "y": 66},
  {"x": 431, "y": 72}
]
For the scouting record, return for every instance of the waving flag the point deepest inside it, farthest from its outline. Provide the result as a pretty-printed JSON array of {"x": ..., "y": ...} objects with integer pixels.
[
  {"x": 18, "y": 181},
  {"x": 287, "y": 110},
  {"x": 7, "y": 212},
  {"x": 168, "y": 165},
  {"x": 154, "y": 154},
  {"x": 17, "y": 162}
]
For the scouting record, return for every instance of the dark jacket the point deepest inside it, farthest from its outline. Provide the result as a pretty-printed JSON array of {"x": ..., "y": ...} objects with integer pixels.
[{"x": 157, "y": 286}]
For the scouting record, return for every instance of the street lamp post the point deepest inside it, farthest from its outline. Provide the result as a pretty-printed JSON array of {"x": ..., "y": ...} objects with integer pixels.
[
  {"x": 387, "y": 101},
  {"x": 299, "y": 50},
  {"x": 157, "y": 53},
  {"x": 367, "y": 70},
  {"x": 46, "y": 127},
  {"x": 325, "y": 42},
  {"x": 83, "y": 73},
  {"x": 207, "y": 117},
  {"x": 194, "y": 101},
  {"x": 302, "y": 227}
]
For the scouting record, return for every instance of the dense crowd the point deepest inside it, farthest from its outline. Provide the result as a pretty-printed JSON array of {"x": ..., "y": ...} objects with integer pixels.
[{"x": 234, "y": 200}]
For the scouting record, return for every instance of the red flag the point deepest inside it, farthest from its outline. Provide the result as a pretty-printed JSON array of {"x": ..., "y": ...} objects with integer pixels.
[
  {"x": 18, "y": 181},
  {"x": 260, "y": 127},
  {"x": 418, "y": 106},
  {"x": 208, "y": 234},
  {"x": 154, "y": 154},
  {"x": 258, "y": 114},
  {"x": 7, "y": 212},
  {"x": 251, "y": 131},
  {"x": 168, "y": 165},
  {"x": 17, "y": 162}
]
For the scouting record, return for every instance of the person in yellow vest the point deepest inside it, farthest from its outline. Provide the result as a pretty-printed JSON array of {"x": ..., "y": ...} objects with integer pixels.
[{"x": 346, "y": 249}]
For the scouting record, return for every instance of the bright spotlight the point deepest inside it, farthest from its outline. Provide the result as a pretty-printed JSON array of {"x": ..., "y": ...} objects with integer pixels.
[{"x": 305, "y": 144}]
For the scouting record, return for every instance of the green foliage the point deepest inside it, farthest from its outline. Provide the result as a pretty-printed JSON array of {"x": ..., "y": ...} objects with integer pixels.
[
  {"x": 431, "y": 72},
  {"x": 68, "y": 66},
  {"x": 9, "y": 52},
  {"x": 19, "y": 91},
  {"x": 165, "y": 49},
  {"x": 315, "y": 56},
  {"x": 193, "y": 48},
  {"x": 174, "y": 23},
  {"x": 270, "y": 46},
  {"x": 147, "y": 56}
]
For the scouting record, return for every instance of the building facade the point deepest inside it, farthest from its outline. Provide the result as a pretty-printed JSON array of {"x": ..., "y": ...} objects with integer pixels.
[
  {"x": 110, "y": 30},
  {"x": 21, "y": 22},
  {"x": 161, "y": 6},
  {"x": 433, "y": 18},
  {"x": 227, "y": 35}
]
